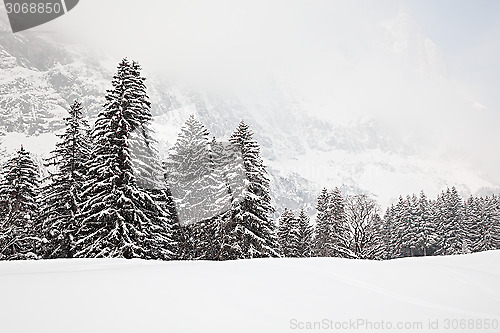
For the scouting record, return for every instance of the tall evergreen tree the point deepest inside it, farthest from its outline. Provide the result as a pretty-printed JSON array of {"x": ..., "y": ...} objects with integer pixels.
[
  {"x": 413, "y": 228},
  {"x": 398, "y": 228},
  {"x": 322, "y": 232},
  {"x": 227, "y": 162},
  {"x": 340, "y": 232},
  {"x": 450, "y": 226},
  {"x": 187, "y": 167},
  {"x": 197, "y": 178},
  {"x": 388, "y": 232},
  {"x": 20, "y": 230},
  {"x": 488, "y": 223},
  {"x": 118, "y": 218},
  {"x": 375, "y": 249},
  {"x": 61, "y": 194},
  {"x": 228, "y": 232},
  {"x": 473, "y": 224},
  {"x": 332, "y": 236},
  {"x": 288, "y": 234},
  {"x": 427, "y": 234},
  {"x": 162, "y": 242},
  {"x": 252, "y": 226},
  {"x": 305, "y": 235}
]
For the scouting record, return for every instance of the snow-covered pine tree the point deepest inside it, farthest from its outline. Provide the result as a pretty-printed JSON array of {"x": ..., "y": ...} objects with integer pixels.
[
  {"x": 488, "y": 224},
  {"x": 340, "y": 232},
  {"x": 418, "y": 225},
  {"x": 408, "y": 232},
  {"x": 288, "y": 234},
  {"x": 473, "y": 224},
  {"x": 388, "y": 231},
  {"x": 229, "y": 234},
  {"x": 454, "y": 232},
  {"x": 495, "y": 225},
  {"x": 162, "y": 243},
  {"x": 187, "y": 165},
  {"x": 229, "y": 166},
  {"x": 397, "y": 229},
  {"x": 427, "y": 231},
  {"x": 432, "y": 229},
  {"x": 119, "y": 219},
  {"x": 61, "y": 193},
  {"x": 251, "y": 216},
  {"x": 197, "y": 180},
  {"x": 440, "y": 211},
  {"x": 322, "y": 230},
  {"x": 450, "y": 223},
  {"x": 305, "y": 235},
  {"x": 20, "y": 229},
  {"x": 412, "y": 236},
  {"x": 224, "y": 187},
  {"x": 375, "y": 248},
  {"x": 333, "y": 235}
]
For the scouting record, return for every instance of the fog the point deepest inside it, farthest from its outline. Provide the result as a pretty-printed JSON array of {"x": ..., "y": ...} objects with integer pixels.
[{"x": 429, "y": 70}]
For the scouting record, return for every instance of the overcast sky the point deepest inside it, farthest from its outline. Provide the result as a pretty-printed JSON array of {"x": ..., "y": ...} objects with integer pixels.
[{"x": 338, "y": 55}]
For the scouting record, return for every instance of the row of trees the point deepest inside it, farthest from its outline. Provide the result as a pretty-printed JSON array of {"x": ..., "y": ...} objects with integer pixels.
[
  {"x": 415, "y": 226},
  {"x": 345, "y": 227},
  {"x": 109, "y": 195},
  {"x": 448, "y": 225}
]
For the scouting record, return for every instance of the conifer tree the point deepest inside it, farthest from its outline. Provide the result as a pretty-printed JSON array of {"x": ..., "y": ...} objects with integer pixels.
[
  {"x": 488, "y": 222},
  {"x": 405, "y": 223},
  {"x": 61, "y": 194},
  {"x": 322, "y": 232},
  {"x": 252, "y": 226},
  {"x": 412, "y": 235},
  {"x": 450, "y": 218},
  {"x": 399, "y": 228},
  {"x": 187, "y": 166},
  {"x": 340, "y": 232},
  {"x": 228, "y": 163},
  {"x": 388, "y": 232},
  {"x": 20, "y": 230},
  {"x": 473, "y": 225},
  {"x": 305, "y": 235},
  {"x": 288, "y": 234},
  {"x": 375, "y": 248},
  {"x": 427, "y": 236},
  {"x": 333, "y": 235},
  {"x": 228, "y": 232},
  {"x": 118, "y": 218},
  {"x": 495, "y": 218},
  {"x": 197, "y": 177},
  {"x": 162, "y": 242}
]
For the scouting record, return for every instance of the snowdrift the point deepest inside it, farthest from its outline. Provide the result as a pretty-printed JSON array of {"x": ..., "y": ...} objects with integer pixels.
[{"x": 449, "y": 294}]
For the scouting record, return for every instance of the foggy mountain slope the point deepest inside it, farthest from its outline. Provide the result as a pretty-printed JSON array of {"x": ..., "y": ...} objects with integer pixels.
[
  {"x": 403, "y": 37},
  {"x": 304, "y": 149}
]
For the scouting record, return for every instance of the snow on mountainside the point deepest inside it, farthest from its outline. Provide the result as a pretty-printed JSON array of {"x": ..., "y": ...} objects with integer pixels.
[
  {"x": 403, "y": 37},
  {"x": 257, "y": 295},
  {"x": 39, "y": 78}
]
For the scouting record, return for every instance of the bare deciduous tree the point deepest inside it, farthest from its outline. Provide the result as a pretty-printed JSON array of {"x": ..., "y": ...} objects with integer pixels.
[{"x": 362, "y": 217}]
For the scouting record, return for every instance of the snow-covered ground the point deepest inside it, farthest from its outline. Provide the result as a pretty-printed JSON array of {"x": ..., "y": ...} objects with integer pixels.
[{"x": 264, "y": 295}]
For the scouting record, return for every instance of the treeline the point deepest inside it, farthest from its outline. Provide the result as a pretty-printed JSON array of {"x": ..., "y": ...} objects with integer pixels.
[
  {"x": 109, "y": 195},
  {"x": 351, "y": 227}
]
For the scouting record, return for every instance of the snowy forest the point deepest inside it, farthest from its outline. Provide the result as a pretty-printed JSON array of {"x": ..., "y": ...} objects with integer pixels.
[{"x": 109, "y": 195}]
